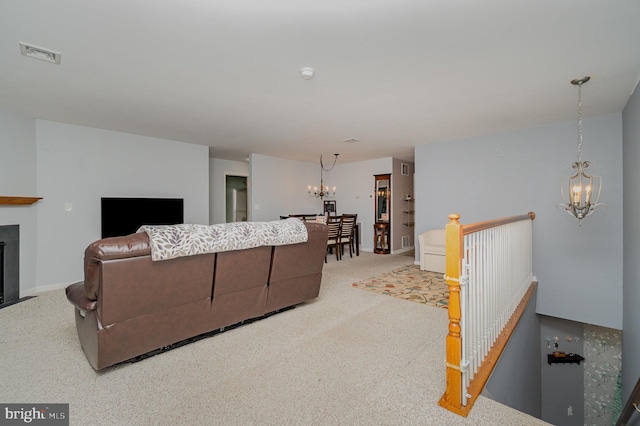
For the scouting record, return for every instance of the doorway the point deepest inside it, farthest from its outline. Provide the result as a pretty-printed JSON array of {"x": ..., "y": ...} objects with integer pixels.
[{"x": 236, "y": 198}]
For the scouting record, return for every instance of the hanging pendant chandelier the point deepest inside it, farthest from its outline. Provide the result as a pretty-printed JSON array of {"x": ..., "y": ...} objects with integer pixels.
[
  {"x": 324, "y": 190},
  {"x": 582, "y": 189}
]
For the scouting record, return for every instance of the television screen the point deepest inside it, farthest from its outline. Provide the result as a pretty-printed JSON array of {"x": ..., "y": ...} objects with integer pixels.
[{"x": 123, "y": 216}]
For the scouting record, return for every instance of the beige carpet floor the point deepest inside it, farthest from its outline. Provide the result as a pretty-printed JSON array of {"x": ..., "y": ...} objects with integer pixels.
[{"x": 350, "y": 357}]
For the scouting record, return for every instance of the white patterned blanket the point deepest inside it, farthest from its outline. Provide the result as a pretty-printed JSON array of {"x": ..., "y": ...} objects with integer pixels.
[{"x": 171, "y": 241}]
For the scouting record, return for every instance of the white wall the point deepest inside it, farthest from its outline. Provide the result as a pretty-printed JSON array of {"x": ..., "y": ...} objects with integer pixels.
[
  {"x": 218, "y": 170},
  {"x": 279, "y": 187},
  {"x": 355, "y": 188},
  {"x": 79, "y": 165},
  {"x": 18, "y": 178},
  {"x": 579, "y": 268},
  {"x": 631, "y": 224}
]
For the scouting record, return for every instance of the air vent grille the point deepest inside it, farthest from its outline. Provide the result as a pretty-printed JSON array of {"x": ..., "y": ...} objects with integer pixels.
[{"x": 36, "y": 52}]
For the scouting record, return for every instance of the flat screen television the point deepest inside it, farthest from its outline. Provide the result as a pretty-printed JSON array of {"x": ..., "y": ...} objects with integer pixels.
[{"x": 123, "y": 216}]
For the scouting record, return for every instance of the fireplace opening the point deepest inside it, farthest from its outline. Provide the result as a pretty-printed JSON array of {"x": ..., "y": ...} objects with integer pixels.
[
  {"x": 2, "y": 244},
  {"x": 9, "y": 265}
]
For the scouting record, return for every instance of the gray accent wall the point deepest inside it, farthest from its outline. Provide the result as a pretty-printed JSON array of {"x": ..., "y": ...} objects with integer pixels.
[
  {"x": 515, "y": 380},
  {"x": 562, "y": 384},
  {"x": 579, "y": 269},
  {"x": 631, "y": 274}
]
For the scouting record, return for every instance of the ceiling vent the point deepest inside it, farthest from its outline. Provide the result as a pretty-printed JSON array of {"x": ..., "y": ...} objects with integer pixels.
[{"x": 41, "y": 53}]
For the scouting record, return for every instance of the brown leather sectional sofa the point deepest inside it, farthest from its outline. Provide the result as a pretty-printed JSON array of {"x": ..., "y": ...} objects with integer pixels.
[{"x": 129, "y": 305}]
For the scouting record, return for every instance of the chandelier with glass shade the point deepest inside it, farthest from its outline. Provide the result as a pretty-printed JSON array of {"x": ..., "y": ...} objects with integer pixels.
[{"x": 581, "y": 190}]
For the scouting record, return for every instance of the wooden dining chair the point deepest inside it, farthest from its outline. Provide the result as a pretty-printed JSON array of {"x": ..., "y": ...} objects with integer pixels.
[
  {"x": 347, "y": 233},
  {"x": 334, "y": 238}
]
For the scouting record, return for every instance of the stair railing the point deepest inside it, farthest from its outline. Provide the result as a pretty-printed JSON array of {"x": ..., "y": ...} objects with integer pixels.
[{"x": 489, "y": 272}]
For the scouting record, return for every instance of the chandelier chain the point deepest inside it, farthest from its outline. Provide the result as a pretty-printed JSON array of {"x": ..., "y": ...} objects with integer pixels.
[
  {"x": 580, "y": 123},
  {"x": 323, "y": 192},
  {"x": 330, "y": 168}
]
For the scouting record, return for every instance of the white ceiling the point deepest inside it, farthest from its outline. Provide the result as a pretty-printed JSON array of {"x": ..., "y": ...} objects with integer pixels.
[{"x": 391, "y": 74}]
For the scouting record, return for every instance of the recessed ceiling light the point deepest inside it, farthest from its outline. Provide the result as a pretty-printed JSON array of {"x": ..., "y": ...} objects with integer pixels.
[
  {"x": 41, "y": 53},
  {"x": 351, "y": 140}
]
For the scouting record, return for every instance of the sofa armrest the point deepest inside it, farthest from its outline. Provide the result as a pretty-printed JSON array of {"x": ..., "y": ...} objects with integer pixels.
[
  {"x": 433, "y": 241},
  {"x": 77, "y": 296},
  {"x": 133, "y": 245},
  {"x": 124, "y": 247}
]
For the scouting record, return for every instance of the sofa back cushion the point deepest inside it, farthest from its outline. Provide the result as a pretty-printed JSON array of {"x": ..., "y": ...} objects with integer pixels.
[
  {"x": 298, "y": 260},
  {"x": 433, "y": 241},
  {"x": 137, "y": 286},
  {"x": 241, "y": 269}
]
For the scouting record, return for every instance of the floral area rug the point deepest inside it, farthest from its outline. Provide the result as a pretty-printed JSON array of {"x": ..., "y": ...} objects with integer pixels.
[{"x": 410, "y": 283}]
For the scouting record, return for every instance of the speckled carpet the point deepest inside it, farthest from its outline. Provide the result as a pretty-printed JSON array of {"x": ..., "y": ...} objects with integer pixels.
[
  {"x": 346, "y": 358},
  {"x": 410, "y": 283}
]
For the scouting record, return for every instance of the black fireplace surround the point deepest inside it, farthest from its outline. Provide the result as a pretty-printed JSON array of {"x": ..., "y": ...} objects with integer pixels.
[{"x": 9, "y": 264}]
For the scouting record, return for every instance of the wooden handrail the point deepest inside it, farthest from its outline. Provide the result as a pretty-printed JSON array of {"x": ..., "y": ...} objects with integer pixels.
[
  {"x": 631, "y": 406},
  {"x": 481, "y": 226}
]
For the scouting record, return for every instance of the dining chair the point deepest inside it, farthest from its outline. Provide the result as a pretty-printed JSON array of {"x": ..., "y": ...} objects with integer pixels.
[
  {"x": 334, "y": 237},
  {"x": 347, "y": 233}
]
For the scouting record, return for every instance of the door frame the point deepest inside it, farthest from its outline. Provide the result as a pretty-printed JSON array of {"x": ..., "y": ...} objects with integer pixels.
[{"x": 237, "y": 174}]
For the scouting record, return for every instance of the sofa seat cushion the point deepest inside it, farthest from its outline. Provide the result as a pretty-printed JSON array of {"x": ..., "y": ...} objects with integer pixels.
[{"x": 435, "y": 249}]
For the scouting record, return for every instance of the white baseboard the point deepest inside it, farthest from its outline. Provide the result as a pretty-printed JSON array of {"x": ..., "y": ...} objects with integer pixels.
[
  {"x": 38, "y": 290},
  {"x": 403, "y": 250}
]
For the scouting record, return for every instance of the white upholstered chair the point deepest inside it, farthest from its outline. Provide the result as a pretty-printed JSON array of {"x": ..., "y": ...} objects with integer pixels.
[{"x": 433, "y": 250}]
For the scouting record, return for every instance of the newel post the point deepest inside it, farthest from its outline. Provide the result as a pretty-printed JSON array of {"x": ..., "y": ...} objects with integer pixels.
[{"x": 452, "y": 398}]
